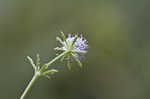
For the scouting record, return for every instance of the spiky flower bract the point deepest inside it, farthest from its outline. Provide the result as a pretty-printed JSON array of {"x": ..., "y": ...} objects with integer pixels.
[{"x": 75, "y": 47}]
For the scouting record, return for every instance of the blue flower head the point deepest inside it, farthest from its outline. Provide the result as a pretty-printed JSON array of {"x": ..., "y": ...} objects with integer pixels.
[{"x": 74, "y": 46}]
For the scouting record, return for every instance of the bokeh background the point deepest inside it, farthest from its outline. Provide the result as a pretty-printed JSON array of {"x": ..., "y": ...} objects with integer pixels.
[{"x": 117, "y": 65}]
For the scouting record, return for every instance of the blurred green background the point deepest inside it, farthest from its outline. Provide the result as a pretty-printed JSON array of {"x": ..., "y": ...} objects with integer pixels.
[{"x": 117, "y": 65}]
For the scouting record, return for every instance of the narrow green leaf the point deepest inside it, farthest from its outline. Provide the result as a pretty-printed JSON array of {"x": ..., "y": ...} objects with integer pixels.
[
  {"x": 47, "y": 76},
  {"x": 58, "y": 49},
  {"x": 31, "y": 61},
  {"x": 37, "y": 61},
  {"x": 43, "y": 68},
  {"x": 49, "y": 72},
  {"x": 52, "y": 71},
  {"x": 60, "y": 41},
  {"x": 69, "y": 62},
  {"x": 80, "y": 52},
  {"x": 78, "y": 61},
  {"x": 63, "y": 36},
  {"x": 75, "y": 39}
]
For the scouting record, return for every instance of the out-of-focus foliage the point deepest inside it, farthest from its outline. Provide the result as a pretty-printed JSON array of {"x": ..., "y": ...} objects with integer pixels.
[{"x": 117, "y": 65}]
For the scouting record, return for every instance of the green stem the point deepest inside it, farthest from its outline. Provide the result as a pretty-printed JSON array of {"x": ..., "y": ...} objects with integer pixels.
[
  {"x": 35, "y": 77},
  {"x": 56, "y": 58}
]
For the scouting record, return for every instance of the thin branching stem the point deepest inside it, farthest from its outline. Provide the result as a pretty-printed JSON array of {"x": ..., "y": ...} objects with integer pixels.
[
  {"x": 35, "y": 77},
  {"x": 38, "y": 73}
]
